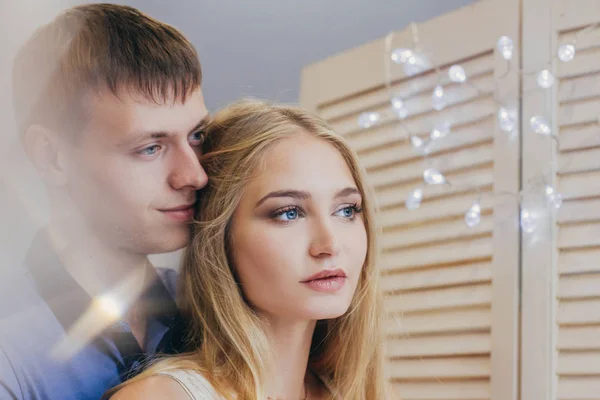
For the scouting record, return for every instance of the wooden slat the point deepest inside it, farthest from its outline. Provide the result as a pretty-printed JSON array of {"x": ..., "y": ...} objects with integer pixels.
[
  {"x": 579, "y": 338},
  {"x": 401, "y": 150},
  {"x": 439, "y": 346},
  {"x": 582, "y": 111},
  {"x": 440, "y": 390},
  {"x": 579, "y": 312},
  {"x": 579, "y": 88},
  {"x": 579, "y": 235},
  {"x": 579, "y": 286},
  {"x": 580, "y": 388},
  {"x": 580, "y": 136},
  {"x": 431, "y": 234},
  {"x": 411, "y": 172},
  {"x": 585, "y": 62},
  {"x": 578, "y": 185},
  {"x": 439, "y": 277},
  {"x": 383, "y": 134},
  {"x": 445, "y": 321},
  {"x": 579, "y": 363},
  {"x": 579, "y": 211},
  {"x": 453, "y": 252},
  {"x": 576, "y": 13},
  {"x": 441, "y": 368},
  {"x": 462, "y": 296},
  {"x": 420, "y": 104},
  {"x": 405, "y": 89},
  {"x": 580, "y": 161},
  {"x": 461, "y": 182},
  {"x": 454, "y": 206},
  {"x": 579, "y": 261}
]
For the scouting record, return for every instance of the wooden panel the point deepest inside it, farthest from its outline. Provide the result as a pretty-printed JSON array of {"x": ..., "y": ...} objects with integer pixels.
[
  {"x": 579, "y": 312},
  {"x": 585, "y": 62},
  {"x": 578, "y": 185},
  {"x": 399, "y": 151},
  {"x": 440, "y": 390},
  {"x": 453, "y": 345},
  {"x": 441, "y": 368},
  {"x": 579, "y": 261},
  {"x": 579, "y": 363},
  {"x": 582, "y": 111},
  {"x": 579, "y": 286},
  {"x": 437, "y": 209},
  {"x": 579, "y": 338},
  {"x": 405, "y": 89},
  {"x": 446, "y": 253},
  {"x": 453, "y": 229},
  {"x": 580, "y": 136},
  {"x": 581, "y": 161},
  {"x": 576, "y": 13},
  {"x": 579, "y": 211},
  {"x": 446, "y": 321},
  {"x": 462, "y": 182},
  {"x": 386, "y": 133},
  {"x": 438, "y": 277},
  {"x": 581, "y": 388},
  {"x": 579, "y": 88},
  {"x": 580, "y": 235},
  {"x": 462, "y": 296}
]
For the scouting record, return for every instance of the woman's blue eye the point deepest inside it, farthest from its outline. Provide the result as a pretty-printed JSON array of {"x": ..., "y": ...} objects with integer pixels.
[
  {"x": 288, "y": 215},
  {"x": 349, "y": 212}
]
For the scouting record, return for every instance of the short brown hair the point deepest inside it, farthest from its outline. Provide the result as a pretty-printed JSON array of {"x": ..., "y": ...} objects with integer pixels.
[{"x": 96, "y": 47}]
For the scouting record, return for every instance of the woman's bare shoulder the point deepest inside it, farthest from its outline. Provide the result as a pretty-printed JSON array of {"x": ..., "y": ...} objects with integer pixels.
[{"x": 156, "y": 387}]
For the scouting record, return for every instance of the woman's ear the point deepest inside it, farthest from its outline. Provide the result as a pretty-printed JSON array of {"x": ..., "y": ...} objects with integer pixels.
[{"x": 44, "y": 150}]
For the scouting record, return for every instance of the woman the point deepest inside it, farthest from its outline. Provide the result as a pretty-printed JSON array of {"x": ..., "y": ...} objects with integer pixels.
[{"x": 279, "y": 282}]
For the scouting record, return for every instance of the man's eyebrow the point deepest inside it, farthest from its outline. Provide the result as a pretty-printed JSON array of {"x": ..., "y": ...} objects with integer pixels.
[{"x": 203, "y": 122}]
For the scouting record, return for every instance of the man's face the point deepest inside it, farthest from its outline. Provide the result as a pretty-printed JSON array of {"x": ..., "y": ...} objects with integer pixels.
[{"x": 134, "y": 173}]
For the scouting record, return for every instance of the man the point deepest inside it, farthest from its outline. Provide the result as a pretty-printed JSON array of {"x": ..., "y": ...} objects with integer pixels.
[{"x": 111, "y": 114}]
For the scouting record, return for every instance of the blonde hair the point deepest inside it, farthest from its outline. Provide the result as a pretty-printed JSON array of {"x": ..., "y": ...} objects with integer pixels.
[{"x": 231, "y": 347}]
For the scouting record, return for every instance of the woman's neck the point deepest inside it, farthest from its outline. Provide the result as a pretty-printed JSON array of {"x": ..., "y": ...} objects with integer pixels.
[{"x": 291, "y": 344}]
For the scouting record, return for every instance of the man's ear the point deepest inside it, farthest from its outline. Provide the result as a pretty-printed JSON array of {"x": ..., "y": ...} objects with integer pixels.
[{"x": 46, "y": 152}]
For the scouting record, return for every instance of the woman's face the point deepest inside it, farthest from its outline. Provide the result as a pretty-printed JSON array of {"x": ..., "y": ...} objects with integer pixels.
[{"x": 300, "y": 216}]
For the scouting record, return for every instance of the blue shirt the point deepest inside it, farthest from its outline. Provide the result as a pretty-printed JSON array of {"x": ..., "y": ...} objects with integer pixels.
[{"x": 42, "y": 301}]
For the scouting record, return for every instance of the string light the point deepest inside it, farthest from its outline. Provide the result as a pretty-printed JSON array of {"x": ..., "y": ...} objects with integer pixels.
[
  {"x": 545, "y": 79},
  {"x": 566, "y": 52},
  {"x": 457, "y": 74},
  {"x": 540, "y": 125},
  {"x": 505, "y": 47},
  {"x": 437, "y": 98},
  {"x": 473, "y": 215},
  {"x": 415, "y": 62},
  {"x": 414, "y": 199},
  {"x": 432, "y": 176},
  {"x": 368, "y": 119}
]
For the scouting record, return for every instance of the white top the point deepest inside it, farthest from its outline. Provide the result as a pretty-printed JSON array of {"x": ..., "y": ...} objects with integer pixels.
[{"x": 196, "y": 385}]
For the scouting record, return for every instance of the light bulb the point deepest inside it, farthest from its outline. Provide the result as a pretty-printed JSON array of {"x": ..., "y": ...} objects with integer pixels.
[
  {"x": 415, "y": 64},
  {"x": 540, "y": 125},
  {"x": 401, "y": 55},
  {"x": 432, "y": 176},
  {"x": 368, "y": 119},
  {"x": 402, "y": 113},
  {"x": 473, "y": 215},
  {"x": 507, "y": 119},
  {"x": 457, "y": 74},
  {"x": 545, "y": 79},
  {"x": 505, "y": 47},
  {"x": 566, "y": 52},
  {"x": 553, "y": 198},
  {"x": 416, "y": 142},
  {"x": 527, "y": 221},
  {"x": 440, "y": 131},
  {"x": 437, "y": 98},
  {"x": 414, "y": 199},
  {"x": 397, "y": 102}
]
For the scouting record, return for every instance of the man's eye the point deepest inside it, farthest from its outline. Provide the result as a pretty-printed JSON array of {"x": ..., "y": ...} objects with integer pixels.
[
  {"x": 196, "y": 138},
  {"x": 150, "y": 150}
]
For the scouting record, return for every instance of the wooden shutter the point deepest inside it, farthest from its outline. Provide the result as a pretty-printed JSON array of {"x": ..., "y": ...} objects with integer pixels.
[
  {"x": 561, "y": 286},
  {"x": 451, "y": 290}
]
